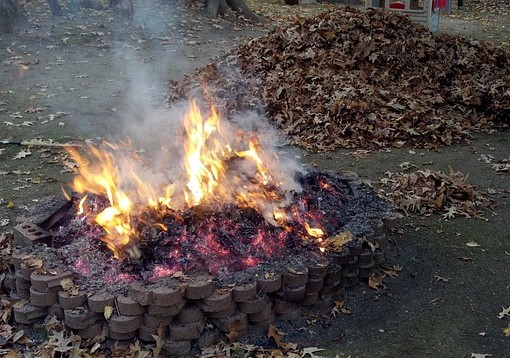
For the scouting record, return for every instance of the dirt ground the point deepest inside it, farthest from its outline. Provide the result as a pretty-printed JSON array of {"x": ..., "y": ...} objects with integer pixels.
[{"x": 97, "y": 75}]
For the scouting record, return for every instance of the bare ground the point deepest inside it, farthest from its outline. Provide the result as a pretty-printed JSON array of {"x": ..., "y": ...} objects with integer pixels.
[{"x": 90, "y": 75}]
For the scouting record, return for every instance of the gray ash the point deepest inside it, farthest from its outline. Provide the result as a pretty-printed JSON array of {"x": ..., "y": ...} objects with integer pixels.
[{"x": 221, "y": 241}]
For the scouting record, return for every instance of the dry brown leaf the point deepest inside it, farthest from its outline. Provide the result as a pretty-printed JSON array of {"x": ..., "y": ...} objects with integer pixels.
[
  {"x": 376, "y": 282},
  {"x": 160, "y": 341},
  {"x": 337, "y": 242},
  {"x": 506, "y": 331},
  {"x": 234, "y": 330},
  {"x": 277, "y": 335}
]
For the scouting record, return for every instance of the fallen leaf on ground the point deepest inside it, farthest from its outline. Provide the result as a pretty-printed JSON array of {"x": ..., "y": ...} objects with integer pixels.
[
  {"x": 337, "y": 242},
  {"x": 277, "y": 335},
  {"x": 234, "y": 330},
  {"x": 506, "y": 331},
  {"x": 441, "y": 279},
  {"x": 376, "y": 282},
  {"x": 22, "y": 154},
  {"x": 505, "y": 312},
  {"x": 160, "y": 341},
  {"x": 340, "y": 307},
  {"x": 473, "y": 244}
]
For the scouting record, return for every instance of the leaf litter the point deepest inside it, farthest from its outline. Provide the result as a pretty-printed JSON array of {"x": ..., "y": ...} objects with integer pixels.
[
  {"x": 352, "y": 79},
  {"x": 426, "y": 192}
]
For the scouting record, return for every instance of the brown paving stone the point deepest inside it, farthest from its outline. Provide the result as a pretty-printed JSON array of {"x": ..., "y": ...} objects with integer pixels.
[
  {"x": 225, "y": 313},
  {"x": 27, "y": 234},
  {"x": 165, "y": 311},
  {"x": 314, "y": 284},
  {"x": 350, "y": 278},
  {"x": 366, "y": 270},
  {"x": 378, "y": 257},
  {"x": 239, "y": 319},
  {"x": 310, "y": 299},
  {"x": 122, "y": 336},
  {"x": 256, "y": 305},
  {"x": 269, "y": 283},
  {"x": 379, "y": 228},
  {"x": 381, "y": 241},
  {"x": 217, "y": 301},
  {"x": 330, "y": 293},
  {"x": 334, "y": 275},
  {"x": 124, "y": 324},
  {"x": 99, "y": 300},
  {"x": 81, "y": 318},
  {"x": 190, "y": 313},
  {"x": 199, "y": 287},
  {"x": 57, "y": 311},
  {"x": 128, "y": 307},
  {"x": 185, "y": 331},
  {"x": 156, "y": 321},
  {"x": 91, "y": 331},
  {"x": 165, "y": 296},
  {"x": 26, "y": 271},
  {"x": 139, "y": 293},
  {"x": 356, "y": 247},
  {"x": 263, "y": 325},
  {"x": 319, "y": 269},
  {"x": 294, "y": 294},
  {"x": 340, "y": 258},
  {"x": 295, "y": 278},
  {"x": 17, "y": 258},
  {"x": 24, "y": 294},
  {"x": 29, "y": 314},
  {"x": 146, "y": 333},
  {"x": 68, "y": 301},
  {"x": 209, "y": 337},
  {"x": 291, "y": 316},
  {"x": 244, "y": 293},
  {"x": 48, "y": 282},
  {"x": 365, "y": 258},
  {"x": 177, "y": 348},
  {"x": 283, "y": 307},
  {"x": 9, "y": 282},
  {"x": 43, "y": 299},
  {"x": 21, "y": 283},
  {"x": 263, "y": 315}
]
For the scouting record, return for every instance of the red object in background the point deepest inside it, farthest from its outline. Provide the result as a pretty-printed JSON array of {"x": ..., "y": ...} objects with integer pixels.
[
  {"x": 438, "y": 4},
  {"x": 398, "y": 5}
]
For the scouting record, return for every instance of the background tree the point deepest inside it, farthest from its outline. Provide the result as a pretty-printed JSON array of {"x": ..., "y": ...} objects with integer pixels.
[
  {"x": 10, "y": 15},
  {"x": 55, "y": 8},
  {"x": 221, "y": 7}
]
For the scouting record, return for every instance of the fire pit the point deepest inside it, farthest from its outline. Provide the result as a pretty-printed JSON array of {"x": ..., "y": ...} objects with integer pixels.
[{"x": 236, "y": 242}]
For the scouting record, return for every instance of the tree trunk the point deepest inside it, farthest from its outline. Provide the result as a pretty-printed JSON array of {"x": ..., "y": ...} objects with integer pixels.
[
  {"x": 217, "y": 8},
  {"x": 124, "y": 6},
  {"x": 10, "y": 15},
  {"x": 74, "y": 6},
  {"x": 55, "y": 8}
]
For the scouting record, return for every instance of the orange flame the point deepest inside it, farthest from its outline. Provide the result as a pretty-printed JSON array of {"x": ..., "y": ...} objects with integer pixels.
[{"x": 216, "y": 168}]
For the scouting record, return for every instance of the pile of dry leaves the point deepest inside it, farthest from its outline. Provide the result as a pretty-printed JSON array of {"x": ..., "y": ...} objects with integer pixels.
[
  {"x": 426, "y": 192},
  {"x": 347, "y": 78}
]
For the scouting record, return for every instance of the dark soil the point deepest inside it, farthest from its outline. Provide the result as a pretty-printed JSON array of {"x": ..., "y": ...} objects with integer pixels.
[{"x": 90, "y": 75}]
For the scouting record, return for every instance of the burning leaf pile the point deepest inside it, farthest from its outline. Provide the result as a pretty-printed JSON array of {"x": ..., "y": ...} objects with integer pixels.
[
  {"x": 362, "y": 79},
  {"x": 426, "y": 192},
  {"x": 226, "y": 205}
]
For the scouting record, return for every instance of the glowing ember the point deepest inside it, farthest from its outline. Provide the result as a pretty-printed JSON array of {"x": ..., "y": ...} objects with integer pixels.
[{"x": 220, "y": 166}]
